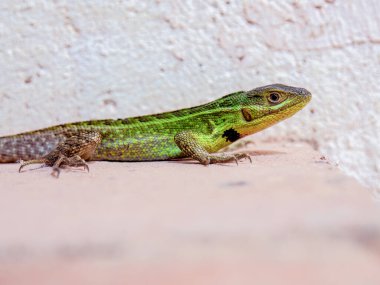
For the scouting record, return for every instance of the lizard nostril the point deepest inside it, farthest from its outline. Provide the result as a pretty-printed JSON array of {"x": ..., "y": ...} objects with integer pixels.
[{"x": 304, "y": 92}]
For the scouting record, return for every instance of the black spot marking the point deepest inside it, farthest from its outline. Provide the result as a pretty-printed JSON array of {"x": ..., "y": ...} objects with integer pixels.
[{"x": 231, "y": 135}]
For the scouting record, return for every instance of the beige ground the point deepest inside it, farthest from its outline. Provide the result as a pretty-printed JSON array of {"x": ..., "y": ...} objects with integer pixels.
[{"x": 289, "y": 218}]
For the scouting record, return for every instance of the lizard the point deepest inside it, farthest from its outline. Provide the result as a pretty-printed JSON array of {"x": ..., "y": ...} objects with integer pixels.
[{"x": 196, "y": 132}]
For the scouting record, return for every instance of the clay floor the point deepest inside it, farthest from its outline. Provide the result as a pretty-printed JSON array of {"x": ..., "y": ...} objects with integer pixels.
[{"x": 290, "y": 217}]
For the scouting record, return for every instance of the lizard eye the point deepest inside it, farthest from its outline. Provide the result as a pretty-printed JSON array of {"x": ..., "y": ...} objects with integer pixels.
[{"x": 274, "y": 97}]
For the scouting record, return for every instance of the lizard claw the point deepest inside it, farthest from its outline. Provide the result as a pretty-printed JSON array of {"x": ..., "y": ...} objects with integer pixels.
[
  {"x": 242, "y": 156},
  {"x": 33, "y": 161},
  {"x": 21, "y": 166},
  {"x": 56, "y": 171}
]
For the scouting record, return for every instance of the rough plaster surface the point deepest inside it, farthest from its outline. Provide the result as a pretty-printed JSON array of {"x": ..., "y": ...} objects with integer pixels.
[{"x": 68, "y": 60}]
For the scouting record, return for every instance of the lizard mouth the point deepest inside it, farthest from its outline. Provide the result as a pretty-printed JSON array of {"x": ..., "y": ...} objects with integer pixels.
[{"x": 294, "y": 106}]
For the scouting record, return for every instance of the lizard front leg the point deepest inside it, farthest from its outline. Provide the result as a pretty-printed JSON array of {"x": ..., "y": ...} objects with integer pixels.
[
  {"x": 78, "y": 147},
  {"x": 189, "y": 145}
]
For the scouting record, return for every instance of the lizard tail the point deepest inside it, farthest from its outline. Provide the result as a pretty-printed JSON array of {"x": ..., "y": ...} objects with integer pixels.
[{"x": 25, "y": 147}]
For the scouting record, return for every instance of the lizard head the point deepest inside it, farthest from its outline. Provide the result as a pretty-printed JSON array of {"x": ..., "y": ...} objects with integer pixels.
[{"x": 267, "y": 105}]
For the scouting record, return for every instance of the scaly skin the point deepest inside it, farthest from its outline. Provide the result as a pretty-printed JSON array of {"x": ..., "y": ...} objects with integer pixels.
[{"x": 194, "y": 132}]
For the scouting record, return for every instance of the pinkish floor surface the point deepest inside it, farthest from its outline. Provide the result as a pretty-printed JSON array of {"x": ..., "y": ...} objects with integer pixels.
[{"x": 290, "y": 217}]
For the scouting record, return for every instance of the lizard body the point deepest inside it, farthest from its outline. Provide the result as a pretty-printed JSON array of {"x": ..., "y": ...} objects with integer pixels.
[{"x": 195, "y": 132}]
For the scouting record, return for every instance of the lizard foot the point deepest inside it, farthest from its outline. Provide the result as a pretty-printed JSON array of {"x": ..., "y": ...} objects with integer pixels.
[
  {"x": 226, "y": 157},
  {"x": 64, "y": 162},
  {"x": 73, "y": 152}
]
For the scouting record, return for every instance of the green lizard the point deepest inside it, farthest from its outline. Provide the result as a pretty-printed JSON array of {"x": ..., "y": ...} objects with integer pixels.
[{"x": 196, "y": 132}]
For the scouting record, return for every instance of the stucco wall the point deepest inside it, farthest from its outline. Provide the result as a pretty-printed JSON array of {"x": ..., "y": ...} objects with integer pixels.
[{"x": 68, "y": 60}]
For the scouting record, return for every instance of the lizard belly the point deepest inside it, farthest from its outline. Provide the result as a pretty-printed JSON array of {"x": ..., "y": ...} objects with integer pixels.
[{"x": 138, "y": 149}]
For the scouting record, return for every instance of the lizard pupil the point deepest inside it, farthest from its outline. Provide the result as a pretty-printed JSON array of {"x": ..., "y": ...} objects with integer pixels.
[{"x": 274, "y": 97}]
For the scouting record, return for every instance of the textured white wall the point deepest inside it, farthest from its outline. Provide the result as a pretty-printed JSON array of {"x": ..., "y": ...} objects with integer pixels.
[{"x": 68, "y": 60}]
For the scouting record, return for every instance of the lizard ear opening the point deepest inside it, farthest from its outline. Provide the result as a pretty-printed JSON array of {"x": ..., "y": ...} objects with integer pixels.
[{"x": 246, "y": 114}]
